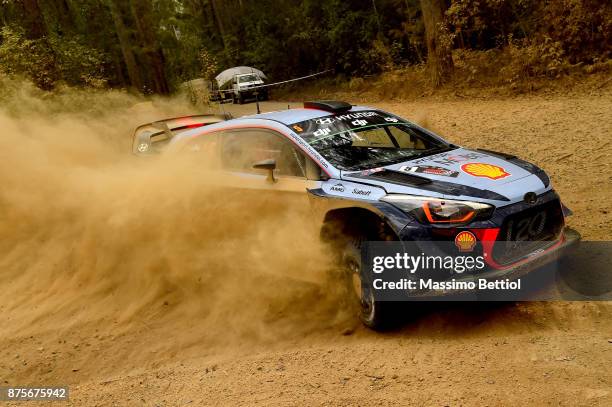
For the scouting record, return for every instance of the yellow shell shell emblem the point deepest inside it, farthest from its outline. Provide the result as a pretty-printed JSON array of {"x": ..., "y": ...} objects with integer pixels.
[
  {"x": 465, "y": 241},
  {"x": 485, "y": 170}
]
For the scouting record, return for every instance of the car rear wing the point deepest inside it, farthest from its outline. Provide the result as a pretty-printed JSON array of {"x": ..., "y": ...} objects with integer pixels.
[{"x": 151, "y": 138}]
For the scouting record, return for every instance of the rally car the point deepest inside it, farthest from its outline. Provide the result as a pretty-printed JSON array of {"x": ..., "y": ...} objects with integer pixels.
[{"x": 370, "y": 175}]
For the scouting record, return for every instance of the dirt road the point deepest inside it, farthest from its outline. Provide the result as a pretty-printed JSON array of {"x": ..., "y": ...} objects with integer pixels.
[{"x": 84, "y": 305}]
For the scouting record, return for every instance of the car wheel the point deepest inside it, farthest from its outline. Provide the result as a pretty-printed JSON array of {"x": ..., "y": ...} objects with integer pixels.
[
  {"x": 374, "y": 314},
  {"x": 240, "y": 99}
]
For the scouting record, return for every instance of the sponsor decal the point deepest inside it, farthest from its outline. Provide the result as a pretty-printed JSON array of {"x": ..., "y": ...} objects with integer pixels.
[
  {"x": 359, "y": 123},
  {"x": 361, "y": 192},
  {"x": 321, "y": 132},
  {"x": 309, "y": 150},
  {"x": 337, "y": 188},
  {"x": 456, "y": 158},
  {"x": 325, "y": 120},
  {"x": 465, "y": 241},
  {"x": 356, "y": 115},
  {"x": 313, "y": 129},
  {"x": 485, "y": 170},
  {"x": 428, "y": 169}
]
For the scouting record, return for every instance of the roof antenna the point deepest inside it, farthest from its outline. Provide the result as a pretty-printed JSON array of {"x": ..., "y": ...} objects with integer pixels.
[{"x": 256, "y": 95}]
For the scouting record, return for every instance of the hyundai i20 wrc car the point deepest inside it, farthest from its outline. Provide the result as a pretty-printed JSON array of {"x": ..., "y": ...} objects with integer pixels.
[{"x": 370, "y": 175}]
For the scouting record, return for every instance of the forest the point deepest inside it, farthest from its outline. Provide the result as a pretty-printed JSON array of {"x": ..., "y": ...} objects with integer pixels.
[{"x": 152, "y": 46}]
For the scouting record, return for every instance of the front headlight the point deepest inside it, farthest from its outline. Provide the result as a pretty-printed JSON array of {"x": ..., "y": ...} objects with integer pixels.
[{"x": 437, "y": 210}]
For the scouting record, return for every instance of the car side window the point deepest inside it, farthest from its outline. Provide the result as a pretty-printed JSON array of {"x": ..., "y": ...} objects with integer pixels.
[
  {"x": 407, "y": 138},
  {"x": 240, "y": 149},
  {"x": 203, "y": 144},
  {"x": 205, "y": 147}
]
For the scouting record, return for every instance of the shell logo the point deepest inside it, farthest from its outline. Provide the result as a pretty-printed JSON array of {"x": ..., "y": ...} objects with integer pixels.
[
  {"x": 485, "y": 170},
  {"x": 465, "y": 241}
]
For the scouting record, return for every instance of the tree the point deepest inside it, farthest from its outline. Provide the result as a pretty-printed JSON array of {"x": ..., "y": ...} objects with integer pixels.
[
  {"x": 126, "y": 46},
  {"x": 219, "y": 20},
  {"x": 154, "y": 58},
  {"x": 33, "y": 20},
  {"x": 439, "y": 57}
]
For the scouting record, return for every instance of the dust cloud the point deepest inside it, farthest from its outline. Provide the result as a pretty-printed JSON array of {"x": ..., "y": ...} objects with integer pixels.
[{"x": 90, "y": 234}]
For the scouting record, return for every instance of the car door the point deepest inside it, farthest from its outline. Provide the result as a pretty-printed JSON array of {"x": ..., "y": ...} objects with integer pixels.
[{"x": 241, "y": 149}]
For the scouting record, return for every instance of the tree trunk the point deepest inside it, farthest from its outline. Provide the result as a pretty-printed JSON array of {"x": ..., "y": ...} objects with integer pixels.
[
  {"x": 143, "y": 18},
  {"x": 46, "y": 73},
  {"x": 439, "y": 57},
  {"x": 379, "y": 33},
  {"x": 217, "y": 13},
  {"x": 65, "y": 17},
  {"x": 126, "y": 46},
  {"x": 33, "y": 21}
]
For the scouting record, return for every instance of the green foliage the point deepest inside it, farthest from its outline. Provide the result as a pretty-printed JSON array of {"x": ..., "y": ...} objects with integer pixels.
[
  {"x": 30, "y": 58},
  {"x": 45, "y": 61},
  {"x": 540, "y": 38},
  {"x": 209, "y": 64},
  {"x": 582, "y": 29},
  {"x": 174, "y": 41},
  {"x": 78, "y": 64},
  {"x": 487, "y": 24},
  {"x": 540, "y": 59}
]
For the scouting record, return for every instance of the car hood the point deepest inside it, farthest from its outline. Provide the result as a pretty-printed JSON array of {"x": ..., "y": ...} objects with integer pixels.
[{"x": 461, "y": 173}]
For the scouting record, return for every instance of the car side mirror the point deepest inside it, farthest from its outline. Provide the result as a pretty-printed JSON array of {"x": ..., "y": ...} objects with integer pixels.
[{"x": 268, "y": 165}]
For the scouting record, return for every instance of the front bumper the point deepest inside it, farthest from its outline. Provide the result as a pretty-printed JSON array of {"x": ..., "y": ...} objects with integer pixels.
[
  {"x": 250, "y": 93},
  {"x": 567, "y": 243}
]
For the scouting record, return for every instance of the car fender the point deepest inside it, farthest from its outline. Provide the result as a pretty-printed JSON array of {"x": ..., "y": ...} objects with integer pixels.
[{"x": 334, "y": 195}]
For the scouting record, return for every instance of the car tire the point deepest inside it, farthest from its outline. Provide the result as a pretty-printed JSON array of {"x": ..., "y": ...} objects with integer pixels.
[
  {"x": 377, "y": 315},
  {"x": 240, "y": 99}
]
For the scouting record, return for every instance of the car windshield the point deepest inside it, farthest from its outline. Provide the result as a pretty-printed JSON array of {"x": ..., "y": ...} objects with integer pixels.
[
  {"x": 365, "y": 140},
  {"x": 247, "y": 78}
]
